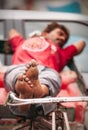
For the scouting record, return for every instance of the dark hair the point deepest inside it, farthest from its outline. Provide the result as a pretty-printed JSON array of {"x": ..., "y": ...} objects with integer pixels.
[{"x": 55, "y": 25}]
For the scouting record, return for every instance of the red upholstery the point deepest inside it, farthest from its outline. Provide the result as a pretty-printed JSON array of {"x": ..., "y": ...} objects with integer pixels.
[
  {"x": 73, "y": 90},
  {"x": 1, "y": 79},
  {"x": 3, "y": 94}
]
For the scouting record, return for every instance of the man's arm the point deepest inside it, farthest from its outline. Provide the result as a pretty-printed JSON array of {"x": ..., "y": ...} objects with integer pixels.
[
  {"x": 15, "y": 39},
  {"x": 70, "y": 51},
  {"x": 80, "y": 45}
]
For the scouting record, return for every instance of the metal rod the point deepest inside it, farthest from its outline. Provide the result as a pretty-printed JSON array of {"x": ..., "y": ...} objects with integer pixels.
[
  {"x": 53, "y": 121},
  {"x": 12, "y": 100},
  {"x": 66, "y": 121}
]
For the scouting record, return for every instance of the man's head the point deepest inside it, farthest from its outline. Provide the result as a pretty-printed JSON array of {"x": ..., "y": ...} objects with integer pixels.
[{"x": 57, "y": 33}]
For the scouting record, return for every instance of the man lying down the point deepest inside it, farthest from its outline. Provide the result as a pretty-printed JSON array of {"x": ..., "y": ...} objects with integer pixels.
[{"x": 29, "y": 81}]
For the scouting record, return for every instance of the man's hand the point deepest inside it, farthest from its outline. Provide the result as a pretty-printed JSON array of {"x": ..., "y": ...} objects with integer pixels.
[
  {"x": 13, "y": 33},
  {"x": 80, "y": 45}
]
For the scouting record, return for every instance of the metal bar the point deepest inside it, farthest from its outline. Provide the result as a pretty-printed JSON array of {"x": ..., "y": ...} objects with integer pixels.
[
  {"x": 53, "y": 121},
  {"x": 41, "y": 15},
  {"x": 66, "y": 121},
  {"x": 12, "y": 100}
]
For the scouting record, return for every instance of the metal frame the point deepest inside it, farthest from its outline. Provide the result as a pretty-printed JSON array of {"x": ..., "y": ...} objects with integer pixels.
[
  {"x": 13, "y": 100},
  {"x": 41, "y": 15}
]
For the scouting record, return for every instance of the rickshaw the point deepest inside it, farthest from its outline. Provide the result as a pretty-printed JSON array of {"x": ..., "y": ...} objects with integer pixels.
[{"x": 62, "y": 118}]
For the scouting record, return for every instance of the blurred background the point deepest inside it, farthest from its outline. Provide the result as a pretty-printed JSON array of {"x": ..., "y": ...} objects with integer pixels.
[{"x": 71, "y": 6}]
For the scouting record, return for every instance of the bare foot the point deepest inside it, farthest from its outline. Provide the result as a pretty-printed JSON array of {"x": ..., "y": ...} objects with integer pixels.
[{"x": 28, "y": 85}]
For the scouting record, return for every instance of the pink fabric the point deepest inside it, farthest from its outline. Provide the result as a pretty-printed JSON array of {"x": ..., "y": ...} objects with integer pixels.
[
  {"x": 3, "y": 95},
  {"x": 1, "y": 79},
  {"x": 72, "y": 90},
  {"x": 42, "y": 50}
]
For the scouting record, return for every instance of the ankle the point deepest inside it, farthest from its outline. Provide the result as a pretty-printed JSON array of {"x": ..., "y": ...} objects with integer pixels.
[{"x": 45, "y": 90}]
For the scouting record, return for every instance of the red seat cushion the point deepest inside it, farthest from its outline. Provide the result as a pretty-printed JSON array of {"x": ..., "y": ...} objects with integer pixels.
[
  {"x": 1, "y": 79},
  {"x": 3, "y": 95},
  {"x": 72, "y": 90}
]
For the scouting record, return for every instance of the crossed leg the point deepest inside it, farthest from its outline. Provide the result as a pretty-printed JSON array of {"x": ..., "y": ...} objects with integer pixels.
[{"x": 28, "y": 85}]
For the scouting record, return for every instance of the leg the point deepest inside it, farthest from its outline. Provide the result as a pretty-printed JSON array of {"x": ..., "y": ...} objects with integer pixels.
[
  {"x": 28, "y": 84},
  {"x": 35, "y": 81}
]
